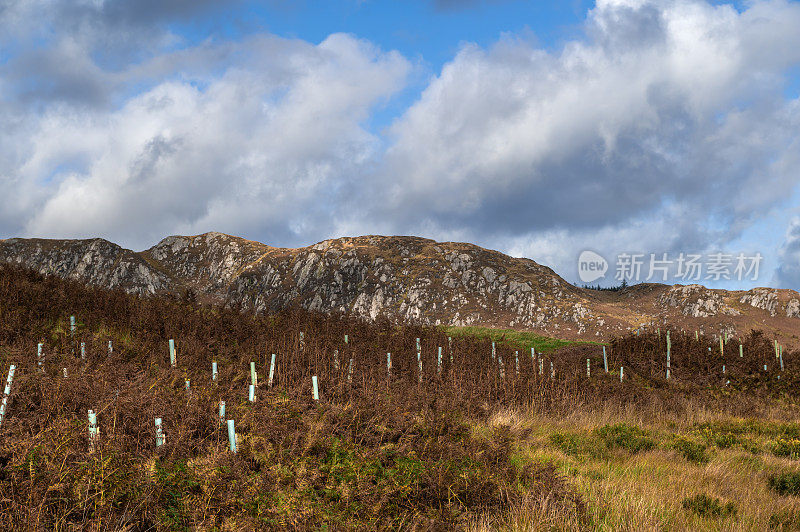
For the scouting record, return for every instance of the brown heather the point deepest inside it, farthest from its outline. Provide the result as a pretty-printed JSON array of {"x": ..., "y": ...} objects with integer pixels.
[{"x": 470, "y": 447}]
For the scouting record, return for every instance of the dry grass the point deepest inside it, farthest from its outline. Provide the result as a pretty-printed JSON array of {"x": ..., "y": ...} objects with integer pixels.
[
  {"x": 474, "y": 444},
  {"x": 646, "y": 490}
]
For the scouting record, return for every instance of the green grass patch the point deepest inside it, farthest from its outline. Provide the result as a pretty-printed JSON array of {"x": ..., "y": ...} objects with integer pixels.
[
  {"x": 786, "y": 519},
  {"x": 342, "y": 464},
  {"x": 568, "y": 443},
  {"x": 573, "y": 444},
  {"x": 175, "y": 481},
  {"x": 750, "y": 426},
  {"x": 524, "y": 339}
]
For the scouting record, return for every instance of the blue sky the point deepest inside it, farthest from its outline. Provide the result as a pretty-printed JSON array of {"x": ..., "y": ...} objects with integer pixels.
[
  {"x": 541, "y": 129},
  {"x": 426, "y": 33},
  {"x": 415, "y": 28}
]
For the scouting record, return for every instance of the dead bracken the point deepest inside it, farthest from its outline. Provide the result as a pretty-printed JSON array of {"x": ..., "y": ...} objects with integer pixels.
[{"x": 458, "y": 444}]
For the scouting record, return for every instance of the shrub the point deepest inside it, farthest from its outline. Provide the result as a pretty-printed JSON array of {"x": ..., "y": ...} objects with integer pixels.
[
  {"x": 692, "y": 451},
  {"x": 175, "y": 480},
  {"x": 706, "y": 506},
  {"x": 621, "y": 435},
  {"x": 721, "y": 439},
  {"x": 751, "y": 446},
  {"x": 787, "y": 483},
  {"x": 786, "y": 519},
  {"x": 568, "y": 443},
  {"x": 788, "y": 447},
  {"x": 724, "y": 441}
]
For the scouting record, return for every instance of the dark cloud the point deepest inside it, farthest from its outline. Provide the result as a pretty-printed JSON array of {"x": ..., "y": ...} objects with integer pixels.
[
  {"x": 788, "y": 273},
  {"x": 59, "y": 74},
  {"x": 82, "y": 53},
  {"x": 149, "y": 11},
  {"x": 35, "y": 19},
  {"x": 121, "y": 13}
]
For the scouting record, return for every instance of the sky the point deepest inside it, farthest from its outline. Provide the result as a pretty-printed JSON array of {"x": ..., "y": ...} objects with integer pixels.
[{"x": 653, "y": 129}]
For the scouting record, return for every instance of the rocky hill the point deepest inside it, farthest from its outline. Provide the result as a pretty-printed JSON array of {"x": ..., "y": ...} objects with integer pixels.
[{"x": 403, "y": 278}]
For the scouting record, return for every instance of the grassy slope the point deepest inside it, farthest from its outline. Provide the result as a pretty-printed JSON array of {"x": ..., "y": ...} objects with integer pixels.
[
  {"x": 728, "y": 459},
  {"x": 684, "y": 458},
  {"x": 524, "y": 339},
  {"x": 369, "y": 461}
]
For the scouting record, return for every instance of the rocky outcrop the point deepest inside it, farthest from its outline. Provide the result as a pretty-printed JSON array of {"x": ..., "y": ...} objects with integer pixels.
[
  {"x": 793, "y": 308},
  {"x": 95, "y": 261},
  {"x": 696, "y": 301},
  {"x": 401, "y": 278},
  {"x": 770, "y": 300},
  {"x": 762, "y": 298},
  {"x": 409, "y": 279},
  {"x": 207, "y": 262}
]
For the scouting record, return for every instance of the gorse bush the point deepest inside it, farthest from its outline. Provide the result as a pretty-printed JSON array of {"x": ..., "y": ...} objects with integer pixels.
[
  {"x": 719, "y": 438},
  {"x": 577, "y": 445},
  {"x": 787, "y": 483},
  {"x": 691, "y": 451},
  {"x": 788, "y": 447},
  {"x": 568, "y": 443},
  {"x": 623, "y": 436},
  {"x": 707, "y": 506}
]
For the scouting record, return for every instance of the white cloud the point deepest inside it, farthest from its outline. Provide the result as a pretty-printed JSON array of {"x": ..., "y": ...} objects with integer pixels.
[
  {"x": 666, "y": 124},
  {"x": 252, "y": 150},
  {"x": 665, "y": 128}
]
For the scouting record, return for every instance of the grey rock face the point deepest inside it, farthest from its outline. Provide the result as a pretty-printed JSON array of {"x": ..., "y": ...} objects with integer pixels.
[
  {"x": 404, "y": 279},
  {"x": 793, "y": 308},
  {"x": 96, "y": 261},
  {"x": 762, "y": 298},
  {"x": 401, "y": 278},
  {"x": 696, "y": 301},
  {"x": 207, "y": 262}
]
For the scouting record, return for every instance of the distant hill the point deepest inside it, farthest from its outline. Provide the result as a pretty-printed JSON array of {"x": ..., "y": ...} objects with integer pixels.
[{"x": 404, "y": 279}]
